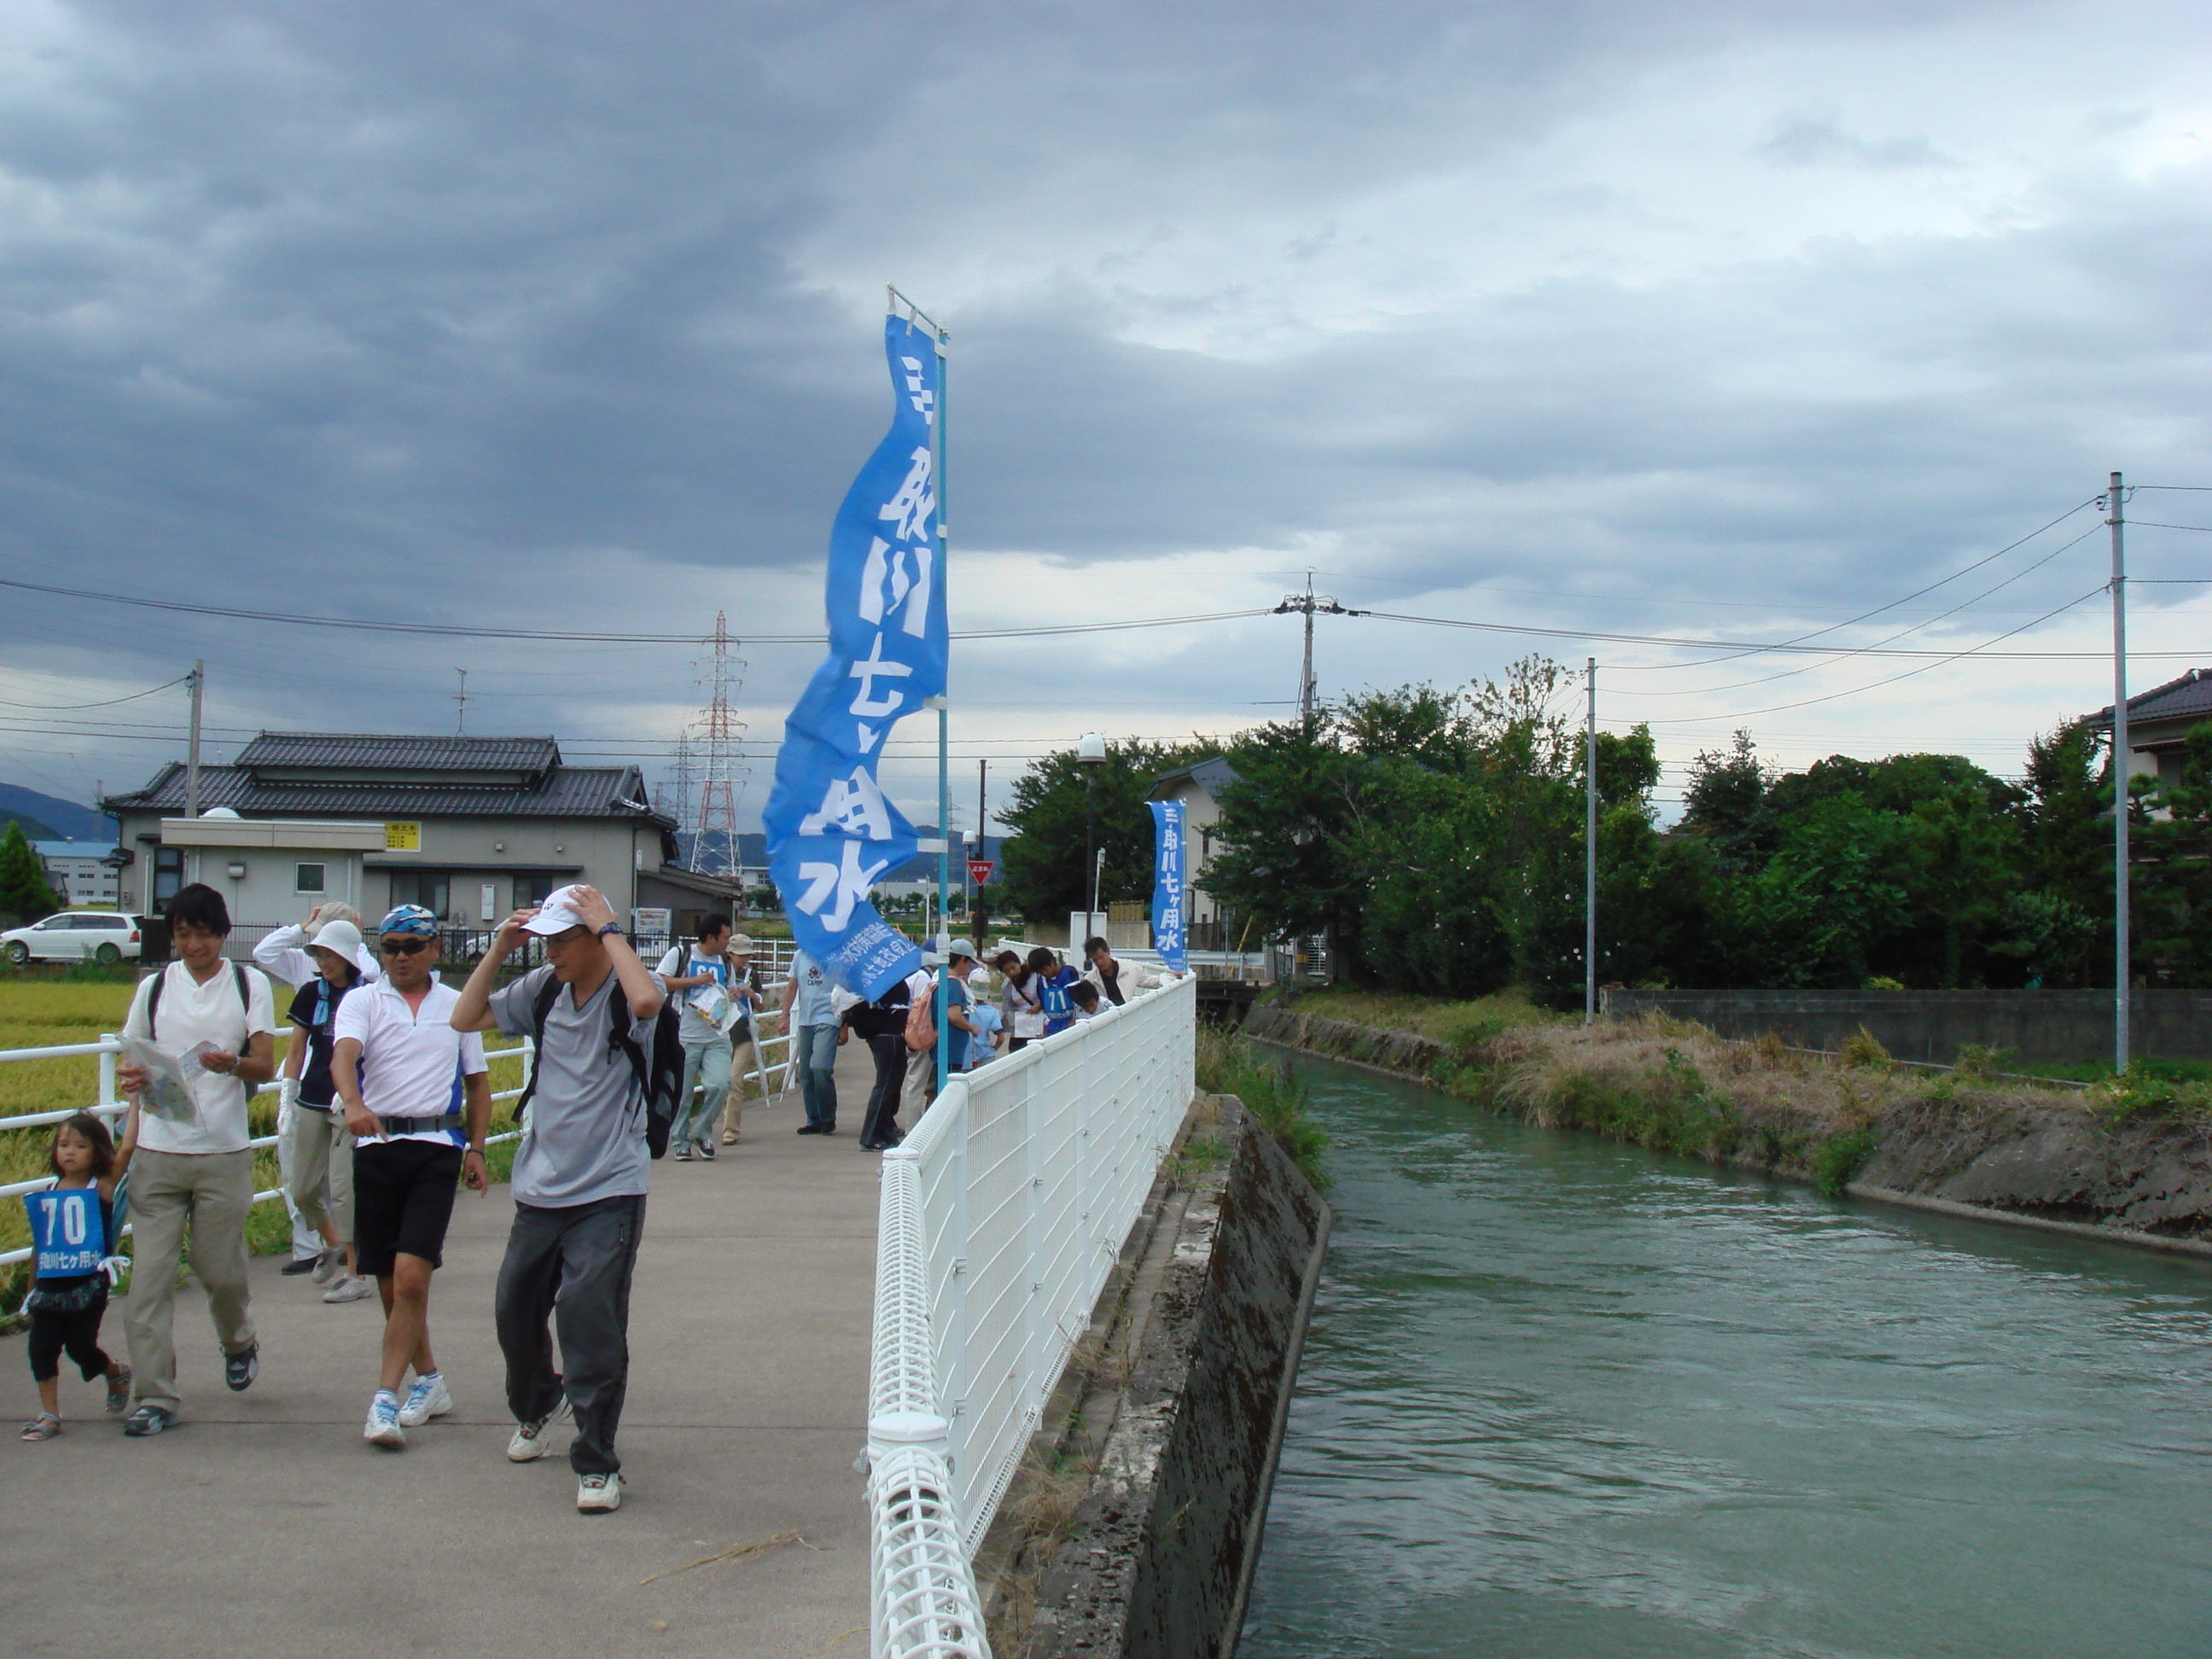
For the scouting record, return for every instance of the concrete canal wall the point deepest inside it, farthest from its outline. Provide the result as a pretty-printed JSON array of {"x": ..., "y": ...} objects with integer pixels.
[
  {"x": 1135, "y": 1527},
  {"x": 2058, "y": 1027},
  {"x": 2024, "y": 1158}
]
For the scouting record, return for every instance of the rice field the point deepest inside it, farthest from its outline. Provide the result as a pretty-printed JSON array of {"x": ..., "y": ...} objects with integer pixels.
[{"x": 46, "y": 1014}]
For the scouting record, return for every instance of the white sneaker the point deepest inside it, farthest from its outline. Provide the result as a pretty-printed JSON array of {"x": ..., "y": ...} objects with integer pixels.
[
  {"x": 383, "y": 1426},
  {"x": 329, "y": 1265},
  {"x": 349, "y": 1287},
  {"x": 533, "y": 1440},
  {"x": 426, "y": 1400},
  {"x": 598, "y": 1494}
]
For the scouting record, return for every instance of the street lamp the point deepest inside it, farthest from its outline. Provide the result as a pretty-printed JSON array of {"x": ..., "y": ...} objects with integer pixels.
[{"x": 1090, "y": 755}]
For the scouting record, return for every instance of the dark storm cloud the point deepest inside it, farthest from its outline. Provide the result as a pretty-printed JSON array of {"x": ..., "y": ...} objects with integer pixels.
[{"x": 562, "y": 314}]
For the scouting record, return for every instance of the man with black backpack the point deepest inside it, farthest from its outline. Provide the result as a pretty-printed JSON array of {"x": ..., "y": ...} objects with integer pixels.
[{"x": 607, "y": 1071}]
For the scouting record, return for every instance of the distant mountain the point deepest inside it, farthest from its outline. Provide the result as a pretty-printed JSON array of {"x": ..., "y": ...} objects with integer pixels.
[
  {"x": 56, "y": 819},
  {"x": 33, "y": 829}
]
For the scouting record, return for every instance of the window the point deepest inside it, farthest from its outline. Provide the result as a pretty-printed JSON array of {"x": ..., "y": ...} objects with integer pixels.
[
  {"x": 307, "y": 878},
  {"x": 116, "y": 923},
  {"x": 168, "y": 875},
  {"x": 428, "y": 887},
  {"x": 533, "y": 889}
]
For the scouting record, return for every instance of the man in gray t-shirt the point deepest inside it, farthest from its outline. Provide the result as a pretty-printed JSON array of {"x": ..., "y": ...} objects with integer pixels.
[{"x": 580, "y": 1177}]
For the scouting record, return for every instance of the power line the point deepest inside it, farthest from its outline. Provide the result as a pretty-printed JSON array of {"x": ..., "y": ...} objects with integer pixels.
[
  {"x": 110, "y": 702},
  {"x": 1878, "y": 609},
  {"x": 1745, "y": 713},
  {"x": 1868, "y": 650},
  {"x": 452, "y": 630}
]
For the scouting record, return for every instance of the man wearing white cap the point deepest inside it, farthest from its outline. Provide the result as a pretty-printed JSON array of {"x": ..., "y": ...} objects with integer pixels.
[{"x": 580, "y": 1176}]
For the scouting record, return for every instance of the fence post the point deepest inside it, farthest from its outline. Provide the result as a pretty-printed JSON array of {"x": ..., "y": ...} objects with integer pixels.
[
  {"x": 107, "y": 1068},
  {"x": 953, "y": 1369}
]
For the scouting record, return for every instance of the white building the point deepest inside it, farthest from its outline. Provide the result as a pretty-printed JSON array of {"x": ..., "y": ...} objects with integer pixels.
[{"x": 86, "y": 875}]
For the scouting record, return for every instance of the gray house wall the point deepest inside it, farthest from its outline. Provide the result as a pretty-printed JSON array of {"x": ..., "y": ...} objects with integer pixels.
[{"x": 473, "y": 853}]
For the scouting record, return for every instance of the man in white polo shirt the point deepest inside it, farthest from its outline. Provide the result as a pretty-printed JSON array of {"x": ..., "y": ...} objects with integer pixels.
[
  {"x": 216, "y": 1020},
  {"x": 417, "y": 1103}
]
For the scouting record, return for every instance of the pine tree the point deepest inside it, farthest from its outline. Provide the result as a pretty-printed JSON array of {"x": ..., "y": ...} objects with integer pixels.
[{"x": 24, "y": 894}]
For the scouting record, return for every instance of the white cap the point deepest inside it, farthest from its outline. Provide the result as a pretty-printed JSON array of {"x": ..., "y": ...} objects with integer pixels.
[
  {"x": 557, "y": 914},
  {"x": 739, "y": 945},
  {"x": 340, "y": 937}
]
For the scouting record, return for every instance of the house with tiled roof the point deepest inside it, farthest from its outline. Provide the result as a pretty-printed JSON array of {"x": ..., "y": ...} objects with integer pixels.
[
  {"x": 473, "y": 827},
  {"x": 2159, "y": 722}
]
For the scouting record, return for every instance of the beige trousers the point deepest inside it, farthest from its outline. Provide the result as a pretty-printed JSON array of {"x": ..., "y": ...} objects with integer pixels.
[
  {"x": 211, "y": 1193},
  {"x": 316, "y": 1145},
  {"x": 742, "y": 1062}
]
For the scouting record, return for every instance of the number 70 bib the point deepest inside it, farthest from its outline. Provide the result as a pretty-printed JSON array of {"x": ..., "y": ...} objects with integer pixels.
[{"x": 66, "y": 1230}]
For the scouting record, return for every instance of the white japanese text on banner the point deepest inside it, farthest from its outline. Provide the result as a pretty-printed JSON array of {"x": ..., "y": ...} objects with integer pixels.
[
  {"x": 1167, "y": 883},
  {"x": 832, "y": 832}
]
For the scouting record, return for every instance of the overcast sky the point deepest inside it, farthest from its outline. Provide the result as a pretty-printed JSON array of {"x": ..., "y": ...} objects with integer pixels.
[{"x": 1731, "y": 321}]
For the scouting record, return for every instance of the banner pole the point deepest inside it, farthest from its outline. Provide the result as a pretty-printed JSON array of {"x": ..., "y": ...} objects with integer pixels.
[{"x": 944, "y": 755}]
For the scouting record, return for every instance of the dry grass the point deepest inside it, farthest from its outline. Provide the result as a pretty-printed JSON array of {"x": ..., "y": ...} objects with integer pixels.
[
  {"x": 1678, "y": 1087},
  {"x": 1458, "y": 1025}
]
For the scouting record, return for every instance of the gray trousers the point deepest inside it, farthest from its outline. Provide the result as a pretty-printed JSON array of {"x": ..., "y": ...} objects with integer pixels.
[{"x": 568, "y": 1270}]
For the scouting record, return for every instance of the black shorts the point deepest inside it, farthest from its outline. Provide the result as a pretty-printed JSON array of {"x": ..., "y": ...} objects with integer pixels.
[{"x": 403, "y": 1199}]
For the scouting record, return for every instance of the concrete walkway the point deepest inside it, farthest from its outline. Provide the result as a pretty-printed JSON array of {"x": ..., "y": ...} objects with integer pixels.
[{"x": 265, "y": 1525}]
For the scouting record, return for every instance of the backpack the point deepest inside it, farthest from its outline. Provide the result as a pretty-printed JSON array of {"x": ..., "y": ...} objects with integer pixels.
[
  {"x": 153, "y": 1000},
  {"x": 660, "y": 1076}
]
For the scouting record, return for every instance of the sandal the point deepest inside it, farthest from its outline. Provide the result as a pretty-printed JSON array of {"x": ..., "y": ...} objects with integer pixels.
[
  {"x": 45, "y": 1426},
  {"x": 118, "y": 1391}
]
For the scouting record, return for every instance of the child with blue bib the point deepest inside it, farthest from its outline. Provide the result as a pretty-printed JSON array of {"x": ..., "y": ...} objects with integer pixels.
[{"x": 73, "y": 1235}]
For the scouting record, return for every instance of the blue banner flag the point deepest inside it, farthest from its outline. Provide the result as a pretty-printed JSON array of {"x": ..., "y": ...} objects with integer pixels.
[
  {"x": 66, "y": 1232},
  {"x": 1167, "y": 884},
  {"x": 832, "y": 832}
]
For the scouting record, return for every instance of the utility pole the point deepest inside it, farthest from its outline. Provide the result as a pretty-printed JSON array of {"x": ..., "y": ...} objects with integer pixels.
[
  {"x": 1589, "y": 856},
  {"x": 198, "y": 681},
  {"x": 461, "y": 704},
  {"x": 2122, "y": 755},
  {"x": 1308, "y": 602},
  {"x": 982, "y": 850}
]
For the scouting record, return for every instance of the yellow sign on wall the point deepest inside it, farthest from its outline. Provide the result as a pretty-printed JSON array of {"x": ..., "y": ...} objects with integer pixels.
[{"x": 403, "y": 837}]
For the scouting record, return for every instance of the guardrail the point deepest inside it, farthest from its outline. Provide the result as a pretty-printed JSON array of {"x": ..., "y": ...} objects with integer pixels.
[
  {"x": 111, "y": 1045},
  {"x": 774, "y": 1076},
  {"x": 1001, "y": 1218}
]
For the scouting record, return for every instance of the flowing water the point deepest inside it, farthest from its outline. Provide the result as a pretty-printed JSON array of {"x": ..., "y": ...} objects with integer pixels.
[{"x": 1567, "y": 1400}]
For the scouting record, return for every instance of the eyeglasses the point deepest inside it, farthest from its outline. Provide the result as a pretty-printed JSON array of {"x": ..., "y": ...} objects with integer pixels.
[{"x": 403, "y": 947}]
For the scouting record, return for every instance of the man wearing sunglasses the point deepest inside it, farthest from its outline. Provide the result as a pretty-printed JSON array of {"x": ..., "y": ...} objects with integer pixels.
[{"x": 417, "y": 1103}]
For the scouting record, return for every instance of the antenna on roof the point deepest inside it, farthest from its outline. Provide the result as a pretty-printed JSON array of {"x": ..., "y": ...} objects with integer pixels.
[{"x": 461, "y": 704}]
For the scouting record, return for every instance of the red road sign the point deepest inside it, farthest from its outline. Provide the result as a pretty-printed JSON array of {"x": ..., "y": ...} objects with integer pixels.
[{"x": 978, "y": 869}]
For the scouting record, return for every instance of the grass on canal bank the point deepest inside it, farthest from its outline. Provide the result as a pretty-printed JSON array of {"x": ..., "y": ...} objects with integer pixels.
[
  {"x": 1675, "y": 1086},
  {"x": 1229, "y": 1065}
]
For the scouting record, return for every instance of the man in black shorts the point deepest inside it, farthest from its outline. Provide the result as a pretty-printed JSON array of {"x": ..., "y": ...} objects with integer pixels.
[{"x": 417, "y": 1103}]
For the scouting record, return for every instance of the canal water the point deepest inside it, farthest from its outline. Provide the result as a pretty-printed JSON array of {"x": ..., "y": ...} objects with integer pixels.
[{"x": 1568, "y": 1400}]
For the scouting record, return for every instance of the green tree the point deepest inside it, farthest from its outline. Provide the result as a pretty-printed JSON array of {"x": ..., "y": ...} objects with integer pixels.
[
  {"x": 2066, "y": 830},
  {"x": 23, "y": 891},
  {"x": 1727, "y": 806},
  {"x": 1040, "y": 873}
]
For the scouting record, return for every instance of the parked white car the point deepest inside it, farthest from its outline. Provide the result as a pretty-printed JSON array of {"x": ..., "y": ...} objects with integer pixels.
[{"x": 106, "y": 936}]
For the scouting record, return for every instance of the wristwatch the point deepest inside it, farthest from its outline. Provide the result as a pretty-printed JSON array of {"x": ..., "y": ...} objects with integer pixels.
[{"x": 611, "y": 927}]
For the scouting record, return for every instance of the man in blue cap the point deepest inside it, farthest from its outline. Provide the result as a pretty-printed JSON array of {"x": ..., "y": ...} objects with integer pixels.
[{"x": 417, "y": 1103}]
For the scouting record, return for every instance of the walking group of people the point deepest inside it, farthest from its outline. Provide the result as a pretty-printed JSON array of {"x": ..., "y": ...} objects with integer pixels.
[
  {"x": 386, "y": 1103},
  {"x": 385, "y": 1107}
]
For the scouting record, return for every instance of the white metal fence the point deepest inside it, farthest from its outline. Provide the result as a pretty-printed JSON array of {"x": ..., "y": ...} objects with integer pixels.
[
  {"x": 1001, "y": 1216},
  {"x": 771, "y": 1069}
]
